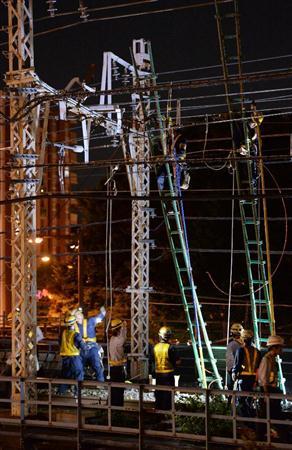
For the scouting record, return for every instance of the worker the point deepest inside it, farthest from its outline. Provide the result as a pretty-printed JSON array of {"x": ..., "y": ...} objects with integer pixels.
[
  {"x": 71, "y": 344},
  {"x": 268, "y": 378},
  {"x": 117, "y": 359},
  {"x": 234, "y": 344},
  {"x": 166, "y": 361},
  {"x": 177, "y": 150},
  {"x": 246, "y": 363},
  {"x": 91, "y": 353}
]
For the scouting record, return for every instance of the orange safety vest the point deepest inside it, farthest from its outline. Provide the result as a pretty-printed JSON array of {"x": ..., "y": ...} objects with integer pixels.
[
  {"x": 249, "y": 366},
  {"x": 162, "y": 363}
]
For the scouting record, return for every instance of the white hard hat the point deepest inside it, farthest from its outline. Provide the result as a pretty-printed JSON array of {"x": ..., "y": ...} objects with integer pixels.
[
  {"x": 236, "y": 328},
  {"x": 275, "y": 340}
]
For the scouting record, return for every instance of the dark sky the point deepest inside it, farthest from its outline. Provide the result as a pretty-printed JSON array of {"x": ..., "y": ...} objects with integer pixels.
[{"x": 179, "y": 39}]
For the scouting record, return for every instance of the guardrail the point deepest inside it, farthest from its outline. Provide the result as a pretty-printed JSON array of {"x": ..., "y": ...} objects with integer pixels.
[{"x": 196, "y": 416}]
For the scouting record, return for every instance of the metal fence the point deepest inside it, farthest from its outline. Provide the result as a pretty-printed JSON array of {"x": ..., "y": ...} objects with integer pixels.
[{"x": 196, "y": 416}]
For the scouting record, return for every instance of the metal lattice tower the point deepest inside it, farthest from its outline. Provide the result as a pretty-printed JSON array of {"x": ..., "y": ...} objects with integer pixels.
[
  {"x": 140, "y": 152},
  {"x": 23, "y": 184},
  {"x": 136, "y": 149}
]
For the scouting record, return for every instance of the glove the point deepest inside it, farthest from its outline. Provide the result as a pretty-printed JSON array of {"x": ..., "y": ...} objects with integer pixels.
[
  {"x": 234, "y": 377},
  {"x": 103, "y": 310}
]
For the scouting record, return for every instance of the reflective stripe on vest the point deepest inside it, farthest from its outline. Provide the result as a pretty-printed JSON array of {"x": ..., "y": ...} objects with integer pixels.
[
  {"x": 85, "y": 338},
  {"x": 249, "y": 369},
  {"x": 68, "y": 347},
  {"x": 121, "y": 362},
  {"x": 162, "y": 363}
]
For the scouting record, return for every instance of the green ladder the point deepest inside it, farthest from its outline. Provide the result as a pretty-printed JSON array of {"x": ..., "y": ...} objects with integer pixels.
[
  {"x": 227, "y": 17},
  {"x": 173, "y": 213}
]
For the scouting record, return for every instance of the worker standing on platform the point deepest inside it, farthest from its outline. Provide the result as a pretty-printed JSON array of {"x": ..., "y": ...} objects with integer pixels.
[
  {"x": 268, "y": 379},
  {"x": 165, "y": 360},
  {"x": 71, "y": 343},
  {"x": 246, "y": 364},
  {"x": 91, "y": 353},
  {"x": 234, "y": 344},
  {"x": 117, "y": 359}
]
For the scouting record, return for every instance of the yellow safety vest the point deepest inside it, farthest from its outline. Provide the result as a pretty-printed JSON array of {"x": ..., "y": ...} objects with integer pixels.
[
  {"x": 249, "y": 367},
  {"x": 68, "y": 347},
  {"x": 162, "y": 363},
  {"x": 121, "y": 362}
]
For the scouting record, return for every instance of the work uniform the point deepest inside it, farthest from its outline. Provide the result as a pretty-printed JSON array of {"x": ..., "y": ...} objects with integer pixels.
[
  {"x": 268, "y": 377},
  {"x": 91, "y": 353},
  {"x": 231, "y": 350},
  {"x": 246, "y": 363},
  {"x": 165, "y": 361},
  {"x": 117, "y": 365},
  {"x": 72, "y": 366}
]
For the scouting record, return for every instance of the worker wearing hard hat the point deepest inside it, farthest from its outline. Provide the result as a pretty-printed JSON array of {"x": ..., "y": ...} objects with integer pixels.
[
  {"x": 92, "y": 352},
  {"x": 117, "y": 359},
  {"x": 166, "y": 361},
  {"x": 246, "y": 363},
  {"x": 71, "y": 343},
  {"x": 234, "y": 344},
  {"x": 268, "y": 382},
  {"x": 268, "y": 370}
]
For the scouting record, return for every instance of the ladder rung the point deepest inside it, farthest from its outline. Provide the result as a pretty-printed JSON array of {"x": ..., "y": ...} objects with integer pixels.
[
  {"x": 187, "y": 288},
  {"x": 263, "y": 321},
  {"x": 255, "y": 242},
  {"x": 178, "y": 250},
  {"x": 230, "y": 36},
  {"x": 176, "y": 232},
  {"x": 251, "y": 222},
  {"x": 248, "y": 202},
  {"x": 183, "y": 269},
  {"x": 260, "y": 302},
  {"x": 229, "y": 16},
  {"x": 255, "y": 261},
  {"x": 259, "y": 282}
]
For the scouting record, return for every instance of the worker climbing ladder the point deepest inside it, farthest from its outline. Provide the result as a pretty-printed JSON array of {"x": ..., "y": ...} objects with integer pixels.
[
  {"x": 173, "y": 212},
  {"x": 249, "y": 178}
]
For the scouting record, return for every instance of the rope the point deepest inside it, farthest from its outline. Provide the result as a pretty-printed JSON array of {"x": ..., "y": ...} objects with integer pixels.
[
  {"x": 231, "y": 266},
  {"x": 109, "y": 287}
]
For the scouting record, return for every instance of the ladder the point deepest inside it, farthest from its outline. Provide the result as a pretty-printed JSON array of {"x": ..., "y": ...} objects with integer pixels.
[
  {"x": 247, "y": 179},
  {"x": 173, "y": 213}
]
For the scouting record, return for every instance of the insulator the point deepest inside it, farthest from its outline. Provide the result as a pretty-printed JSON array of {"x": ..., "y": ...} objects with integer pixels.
[
  {"x": 115, "y": 141},
  {"x": 115, "y": 71},
  {"x": 125, "y": 77},
  {"x": 51, "y": 7},
  {"x": 83, "y": 11}
]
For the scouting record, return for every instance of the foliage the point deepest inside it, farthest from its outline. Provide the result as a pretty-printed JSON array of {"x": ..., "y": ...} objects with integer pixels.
[{"x": 196, "y": 425}]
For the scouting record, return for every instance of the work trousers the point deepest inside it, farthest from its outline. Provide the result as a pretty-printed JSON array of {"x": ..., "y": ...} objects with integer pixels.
[
  {"x": 163, "y": 398},
  {"x": 245, "y": 404},
  {"x": 91, "y": 357},
  {"x": 72, "y": 368},
  {"x": 118, "y": 374}
]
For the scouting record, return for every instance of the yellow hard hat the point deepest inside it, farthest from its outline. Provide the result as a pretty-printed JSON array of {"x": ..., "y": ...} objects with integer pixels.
[
  {"x": 69, "y": 320},
  {"x": 115, "y": 324},
  {"x": 165, "y": 332}
]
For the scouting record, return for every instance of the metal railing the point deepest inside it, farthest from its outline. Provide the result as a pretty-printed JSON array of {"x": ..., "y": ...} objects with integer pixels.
[{"x": 196, "y": 415}]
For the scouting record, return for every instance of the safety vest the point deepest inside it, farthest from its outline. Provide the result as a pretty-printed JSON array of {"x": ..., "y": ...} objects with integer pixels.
[
  {"x": 162, "y": 363},
  {"x": 68, "y": 347},
  {"x": 85, "y": 338},
  {"x": 249, "y": 362},
  {"x": 120, "y": 362}
]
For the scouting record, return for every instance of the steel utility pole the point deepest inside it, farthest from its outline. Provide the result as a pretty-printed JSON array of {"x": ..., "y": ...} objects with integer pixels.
[{"x": 19, "y": 77}]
